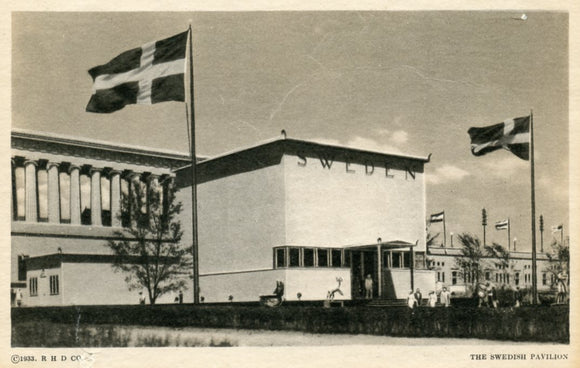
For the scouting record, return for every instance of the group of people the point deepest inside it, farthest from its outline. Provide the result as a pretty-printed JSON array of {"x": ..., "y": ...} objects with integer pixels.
[
  {"x": 414, "y": 299},
  {"x": 487, "y": 295}
]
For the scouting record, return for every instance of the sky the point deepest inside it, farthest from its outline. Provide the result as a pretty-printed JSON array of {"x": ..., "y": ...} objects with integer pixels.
[{"x": 396, "y": 82}]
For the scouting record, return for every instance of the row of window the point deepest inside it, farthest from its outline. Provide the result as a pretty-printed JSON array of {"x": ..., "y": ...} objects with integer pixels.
[
  {"x": 309, "y": 257},
  {"x": 331, "y": 257},
  {"x": 503, "y": 278},
  {"x": 53, "y": 285}
]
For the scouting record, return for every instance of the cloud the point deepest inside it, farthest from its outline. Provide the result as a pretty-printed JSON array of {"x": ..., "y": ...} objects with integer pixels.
[
  {"x": 447, "y": 174},
  {"x": 360, "y": 143},
  {"x": 400, "y": 137},
  {"x": 371, "y": 145},
  {"x": 506, "y": 167}
]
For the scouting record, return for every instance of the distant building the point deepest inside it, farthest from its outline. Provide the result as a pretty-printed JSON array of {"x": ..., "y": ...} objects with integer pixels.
[
  {"x": 66, "y": 193},
  {"x": 516, "y": 273}
]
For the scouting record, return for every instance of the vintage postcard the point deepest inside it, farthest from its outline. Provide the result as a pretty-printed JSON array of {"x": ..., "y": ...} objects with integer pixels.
[{"x": 264, "y": 185}]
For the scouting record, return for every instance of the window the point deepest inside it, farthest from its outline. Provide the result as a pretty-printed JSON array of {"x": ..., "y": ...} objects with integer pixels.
[
  {"x": 497, "y": 277},
  {"x": 454, "y": 278},
  {"x": 336, "y": 255},
  {"x": 487, "y": 276},
  {"x": 442, "y": 264},
  {"x": 406, "y": 260},
  {"x": 22, "y": 268},
  {"x": 54, "y": 287},
  {"x": 442, "y": 276},
  {"x": 517, "y": 278},
  {"x": 346, "y": 260},
  {"x": 281, "y": 257},
  {"x": 396, "y": 260},
  {"x": 507, "y": 278},
  {"x": 19, "y": 189},
  {"x": 33, "y": 286},
  {"x": 294, "y": 257},
  {"x": 544, "y": 279},
  {"x": 308, "y": 257},
  {"x": 322, "y": 257},
  {"x": 438, "y": 276},
  {"x": 387, "y": 259}
]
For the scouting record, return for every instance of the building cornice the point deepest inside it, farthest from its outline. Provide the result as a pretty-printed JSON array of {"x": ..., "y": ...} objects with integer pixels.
[{"x": 99, "y": 145}]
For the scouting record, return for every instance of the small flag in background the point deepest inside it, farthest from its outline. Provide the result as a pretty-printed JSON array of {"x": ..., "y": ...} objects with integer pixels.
[
  {"x": 555, "y": 229},
  {"x": 512, "y": 134},
  {"x": 437, "y": 217},
  {"x": 502, "y": 225},
  {"x": 146, "y": 75}
]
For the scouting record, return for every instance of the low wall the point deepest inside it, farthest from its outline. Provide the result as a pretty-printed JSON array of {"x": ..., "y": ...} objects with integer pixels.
[{"x": 550, "y": 324}]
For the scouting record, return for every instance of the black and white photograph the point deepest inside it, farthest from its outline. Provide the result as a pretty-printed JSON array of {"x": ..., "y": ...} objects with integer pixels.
[{"x": 300, "y": 182}]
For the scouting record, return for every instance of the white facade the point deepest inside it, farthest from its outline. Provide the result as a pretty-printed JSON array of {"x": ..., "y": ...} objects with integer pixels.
[{"x": 296, "y": 211}]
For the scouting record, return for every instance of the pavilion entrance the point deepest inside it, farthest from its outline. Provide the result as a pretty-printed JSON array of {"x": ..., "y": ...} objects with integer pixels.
[{"x": 377, "y": 260}]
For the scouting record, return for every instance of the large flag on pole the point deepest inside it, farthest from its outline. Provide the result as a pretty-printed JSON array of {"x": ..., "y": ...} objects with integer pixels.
[
  {"x": 512, "y": 134},
  {"x": 145, "y": 75},
  {"x": 437, "y": 217},
  {"x": 502, "y": 225}
]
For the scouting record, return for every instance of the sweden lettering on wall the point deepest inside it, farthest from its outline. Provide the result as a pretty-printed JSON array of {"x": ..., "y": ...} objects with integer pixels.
[{"x": 328, "y": 160}]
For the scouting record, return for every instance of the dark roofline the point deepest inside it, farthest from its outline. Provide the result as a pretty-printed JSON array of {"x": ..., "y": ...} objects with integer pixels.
[
  {"x": 57, "y": 259},
  {"x": 279, "y": 141}
]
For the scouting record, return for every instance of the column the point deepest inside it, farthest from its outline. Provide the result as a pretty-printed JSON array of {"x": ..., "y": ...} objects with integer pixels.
[
  {"x": 31, "y": 197},
  {"x": 13, "y": 201},
  {"x": 96, "y": 219},
  {"x": 75, "y": 195},
  {"x": 115, "y": 198},
  {"x": 53, "y": 193}
]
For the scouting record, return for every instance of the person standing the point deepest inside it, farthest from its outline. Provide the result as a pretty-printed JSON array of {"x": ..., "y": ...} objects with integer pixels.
[
  {"x": 517, "y": 297},
  {"x": 18, "y": 298},
  {"x": 445, "y": 297},
  {"x": 418, "y": 297},
  {"x": 411, "y": 301},
  {"x": 141, "y": 298},
  {"x": 494, "y": 301},
  {"x": 369, "y": 287},
  {"x": 432, "y": 299},
  {"x": 180, "y": 295}
]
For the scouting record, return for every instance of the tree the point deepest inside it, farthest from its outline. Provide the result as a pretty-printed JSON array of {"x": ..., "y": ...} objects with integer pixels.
[
  {"x": 559, "y": 260},
  {"x": 149, "y": 251},
  {"x": 471, "y": 260},
  {"x": 474, "y": 257}
]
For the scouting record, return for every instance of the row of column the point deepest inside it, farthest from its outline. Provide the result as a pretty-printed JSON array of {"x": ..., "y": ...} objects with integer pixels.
[{"x": 53, "y": 192}]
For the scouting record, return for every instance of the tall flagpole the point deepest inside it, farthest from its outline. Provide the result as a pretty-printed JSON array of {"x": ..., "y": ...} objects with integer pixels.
[
  {"x": 444, "y": 231},
  {"x": 193, "y": 178},
  {"x": 533, "y": 194},
  {"x": 509, "y": 237}
]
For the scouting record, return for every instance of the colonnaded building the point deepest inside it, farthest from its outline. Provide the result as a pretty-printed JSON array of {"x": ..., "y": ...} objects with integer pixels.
[{"x": 317, "y": 217}]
